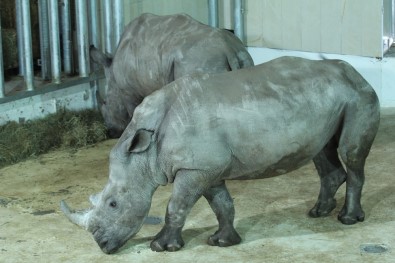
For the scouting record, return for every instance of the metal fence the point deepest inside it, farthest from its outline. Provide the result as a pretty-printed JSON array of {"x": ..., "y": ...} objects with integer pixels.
[
  {"x": 57, "y": 40},
  {"x": 96, "y": 22}
]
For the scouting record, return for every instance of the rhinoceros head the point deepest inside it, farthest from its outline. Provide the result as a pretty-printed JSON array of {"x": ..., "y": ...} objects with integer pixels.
[
  {"x": 118, "y": 212},
  {"x": 114, "y": 111}
]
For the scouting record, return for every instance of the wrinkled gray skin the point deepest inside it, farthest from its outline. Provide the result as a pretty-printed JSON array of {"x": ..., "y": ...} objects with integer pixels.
[
  {"x": 253, "y": 123},
  {"x": 154, "y": 51}
]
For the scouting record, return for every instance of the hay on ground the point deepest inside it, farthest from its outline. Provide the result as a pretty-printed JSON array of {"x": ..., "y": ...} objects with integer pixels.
[{"x": 64, "y": 129}]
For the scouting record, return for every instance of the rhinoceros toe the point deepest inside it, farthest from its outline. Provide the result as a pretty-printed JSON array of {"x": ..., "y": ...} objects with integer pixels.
[
  {"x": 224, "y": 238},
  {"x": 349, "y": 218},
  {"x": 167, "y": 239},
  {"x": 159, "y": 246},
  {"x": 321, "y": 209}
]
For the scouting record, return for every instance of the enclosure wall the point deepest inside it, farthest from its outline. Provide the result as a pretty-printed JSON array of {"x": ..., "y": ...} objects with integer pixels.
[{"x": 351, "y": 27}]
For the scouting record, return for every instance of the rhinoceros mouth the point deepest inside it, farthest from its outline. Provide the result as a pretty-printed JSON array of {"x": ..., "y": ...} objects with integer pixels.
[
  {"x": 107, "y": 244},
  {"x": 106, "y": 249},
  {"x": 110, "y": 247}
]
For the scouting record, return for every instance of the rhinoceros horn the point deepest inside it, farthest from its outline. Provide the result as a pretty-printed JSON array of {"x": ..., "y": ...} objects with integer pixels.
[{"x": 80, "y": 218}]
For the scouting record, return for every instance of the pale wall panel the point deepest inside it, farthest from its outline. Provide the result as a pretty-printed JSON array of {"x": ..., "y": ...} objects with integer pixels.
[
  {"x": 255, "y": 37},
  {"x": 352, "y": 27},
  {"x": 331, "y": 26},
  {"x": 311, "y": 25},
  {"x": 351, "y": 34},
  {"x": 371, "y": 22},
  {"x": 263, "y": 30},
  {"x": 291, "y": 20}
]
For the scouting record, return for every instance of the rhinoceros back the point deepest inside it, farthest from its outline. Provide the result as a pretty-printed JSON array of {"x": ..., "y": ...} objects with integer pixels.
[
  {"x": 282, "y": 112},
  {"x": 158, "y": 49}
]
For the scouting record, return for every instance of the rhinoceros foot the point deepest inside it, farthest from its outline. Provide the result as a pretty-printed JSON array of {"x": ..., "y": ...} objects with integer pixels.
[
  {"x": 321, "y": 208},
  {"x": 167, "y": 240},
  {"x": 351, "y": 217},
  {"x": 224, "y": 238}
]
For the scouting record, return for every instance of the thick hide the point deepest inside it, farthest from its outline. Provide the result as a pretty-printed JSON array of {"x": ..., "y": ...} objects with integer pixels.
[
  {"x": 155, "y": 50},
  {"x": 199, "y": 131}
]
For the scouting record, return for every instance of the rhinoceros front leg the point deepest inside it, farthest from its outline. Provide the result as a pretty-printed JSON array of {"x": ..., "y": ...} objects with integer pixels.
[
  {"x": 332, "y": 175},
  {"x": 188, "y": 187},
  {"x": 222, "y": 204}
]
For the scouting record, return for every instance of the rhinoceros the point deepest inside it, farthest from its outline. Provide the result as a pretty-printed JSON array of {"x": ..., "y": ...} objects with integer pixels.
[
  {"x": 199, "y": 131},
  {"x": 155, "y": 50}
]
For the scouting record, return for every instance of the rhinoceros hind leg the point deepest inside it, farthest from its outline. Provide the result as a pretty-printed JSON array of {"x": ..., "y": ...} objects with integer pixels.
[
  {"x": 357, "y": 135},
  {"x": 222, "y": 204},
  {"x": 332, "y": 175}
]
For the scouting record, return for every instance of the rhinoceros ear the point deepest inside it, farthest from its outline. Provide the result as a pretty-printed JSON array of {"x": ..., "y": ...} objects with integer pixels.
[{"x": 140, "y": 141}]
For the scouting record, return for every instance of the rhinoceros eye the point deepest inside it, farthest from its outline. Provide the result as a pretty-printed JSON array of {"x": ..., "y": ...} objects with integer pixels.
[{"x": 113, "y": 204}]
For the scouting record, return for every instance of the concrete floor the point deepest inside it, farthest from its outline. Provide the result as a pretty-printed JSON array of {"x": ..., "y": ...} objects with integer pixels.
[{"x": 270, "y": 214}]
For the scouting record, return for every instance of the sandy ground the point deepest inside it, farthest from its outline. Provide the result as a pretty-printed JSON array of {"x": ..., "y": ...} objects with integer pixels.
[{"x": 271, "y": 214}]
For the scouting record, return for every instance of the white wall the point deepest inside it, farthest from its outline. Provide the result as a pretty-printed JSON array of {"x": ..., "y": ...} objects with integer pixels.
[{"x": 352, "y": 27}]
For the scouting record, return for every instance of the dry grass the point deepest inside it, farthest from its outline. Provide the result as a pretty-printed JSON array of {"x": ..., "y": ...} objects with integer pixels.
[{"x": 65, "y": 129}]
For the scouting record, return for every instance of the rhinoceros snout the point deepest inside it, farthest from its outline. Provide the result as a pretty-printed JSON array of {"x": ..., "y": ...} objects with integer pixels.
[
  {"x": 103, "y": 247},
  {"x": 107, "y": 247},
  {"x": 106, "y": 244}
]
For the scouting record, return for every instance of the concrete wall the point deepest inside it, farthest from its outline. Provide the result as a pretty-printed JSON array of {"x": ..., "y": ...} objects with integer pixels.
[{"x": 78, "y": 97}]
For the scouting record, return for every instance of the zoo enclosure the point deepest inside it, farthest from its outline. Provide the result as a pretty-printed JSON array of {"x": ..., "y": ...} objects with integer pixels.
[{"x": 66, "y": 30}]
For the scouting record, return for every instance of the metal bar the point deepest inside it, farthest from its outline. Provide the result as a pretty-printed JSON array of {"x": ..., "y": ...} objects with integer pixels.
[
  {"x": 66, "y": 37},
  {"x": 94, "y": 35},
  {"x": 108, "y": 32},
  {"x": 19, "y": 35},
  {"x": 213, "y": 13},
  {"x": 27, "y": 45},
  {"x": 45, "y": 51},
  {"x": 82, "y": 37},
  {"x": 118, "y": 21},
  {"x": 94, "y": 39},
  {"x": 393, "y": 18},
  {"x": 239, "y": 19},
  {"x": 55, "y": 41},
  {"x": 2, "y": 86}
]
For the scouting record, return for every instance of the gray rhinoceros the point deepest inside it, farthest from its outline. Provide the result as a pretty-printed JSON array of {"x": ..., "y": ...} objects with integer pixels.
[
  {"x": 154, "y": 51},
  {"x": 253, "y": 123}
]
